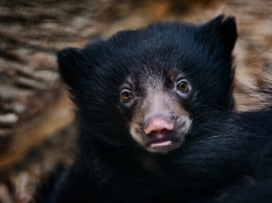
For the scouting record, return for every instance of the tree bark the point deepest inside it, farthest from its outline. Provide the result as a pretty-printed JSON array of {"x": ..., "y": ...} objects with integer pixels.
[{"x": 37, "y": 132}]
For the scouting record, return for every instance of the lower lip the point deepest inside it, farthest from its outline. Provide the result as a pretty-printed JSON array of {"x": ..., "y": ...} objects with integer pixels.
[{"x": 161, "y": 144}]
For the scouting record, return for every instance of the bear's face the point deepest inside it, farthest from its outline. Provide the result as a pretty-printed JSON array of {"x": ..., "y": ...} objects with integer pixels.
[
  {"x": 147, "y": 87},
  {"x": 153, "y": 101}
]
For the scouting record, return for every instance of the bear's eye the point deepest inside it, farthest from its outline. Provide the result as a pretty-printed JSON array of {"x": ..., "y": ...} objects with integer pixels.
[
  {"x": 127, "y": 95},
  {"x": 182, "y": 86}
]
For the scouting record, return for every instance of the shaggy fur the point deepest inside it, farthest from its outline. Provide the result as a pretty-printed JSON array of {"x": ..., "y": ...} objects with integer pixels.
[{"x": 224, "y": 155}]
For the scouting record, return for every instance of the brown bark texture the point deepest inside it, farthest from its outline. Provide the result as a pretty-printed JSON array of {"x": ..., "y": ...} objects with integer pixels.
[{"x": 37, "y": 128}]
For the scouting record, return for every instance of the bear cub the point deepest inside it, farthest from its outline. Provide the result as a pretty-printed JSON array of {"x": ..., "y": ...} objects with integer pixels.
[{"x": 155, "y": 111}]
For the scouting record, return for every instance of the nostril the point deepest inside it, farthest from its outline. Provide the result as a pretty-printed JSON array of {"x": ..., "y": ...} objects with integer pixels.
[{"x": 159, "y": 134}]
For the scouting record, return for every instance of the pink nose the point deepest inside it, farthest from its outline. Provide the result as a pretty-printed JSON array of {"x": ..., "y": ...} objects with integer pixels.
[{"x": 158, "y": 124}]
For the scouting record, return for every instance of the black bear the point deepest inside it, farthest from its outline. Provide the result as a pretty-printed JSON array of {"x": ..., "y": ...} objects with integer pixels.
[{"x": 157, "y": 125}]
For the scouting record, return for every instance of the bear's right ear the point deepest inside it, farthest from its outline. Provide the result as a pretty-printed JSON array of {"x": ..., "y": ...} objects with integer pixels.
[
  {"x": 71, "y": 65},
  {"x": 223, "y": 29}
]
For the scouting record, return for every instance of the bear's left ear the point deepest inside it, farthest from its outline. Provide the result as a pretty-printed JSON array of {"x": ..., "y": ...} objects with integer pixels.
[
  {"x": 71, "y": 65},
  {"x": 223, "y": 29}
]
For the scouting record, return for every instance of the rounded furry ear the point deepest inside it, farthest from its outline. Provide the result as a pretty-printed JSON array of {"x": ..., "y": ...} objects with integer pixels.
[
  {"x": 222, "y": 28},
  {"x": 71, "y": 65}
]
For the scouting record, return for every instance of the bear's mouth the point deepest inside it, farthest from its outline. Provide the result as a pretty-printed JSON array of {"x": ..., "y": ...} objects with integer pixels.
[
  {"x": 161, "y": 133},
  {"x": 159, "y": 139},
  {"x": 160, "y": 143}
]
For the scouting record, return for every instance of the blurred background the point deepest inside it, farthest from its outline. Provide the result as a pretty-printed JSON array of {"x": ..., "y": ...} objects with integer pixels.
[{"x": 37, "y": 128}]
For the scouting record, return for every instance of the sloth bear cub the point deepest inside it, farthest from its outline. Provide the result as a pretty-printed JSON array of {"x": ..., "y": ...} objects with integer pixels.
[{"x": 157, "y": 125}]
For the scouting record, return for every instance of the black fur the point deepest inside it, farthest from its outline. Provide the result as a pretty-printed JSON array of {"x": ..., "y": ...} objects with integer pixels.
[{"x": 225, "y": 155}]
